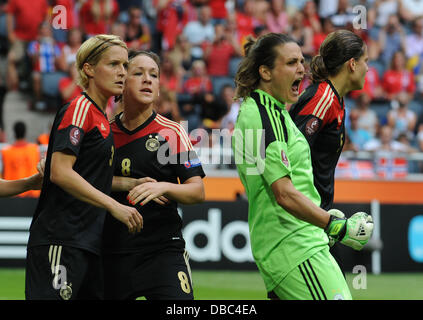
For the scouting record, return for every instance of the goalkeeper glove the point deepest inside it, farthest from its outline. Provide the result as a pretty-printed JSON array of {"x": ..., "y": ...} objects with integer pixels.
[
  {"x": 354, "y": 232},
  {"x": 339, "y": 214}
]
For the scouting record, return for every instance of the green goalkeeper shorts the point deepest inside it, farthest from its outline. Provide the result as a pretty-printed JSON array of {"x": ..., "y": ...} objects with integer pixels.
[{"x": 317, "y": 278}]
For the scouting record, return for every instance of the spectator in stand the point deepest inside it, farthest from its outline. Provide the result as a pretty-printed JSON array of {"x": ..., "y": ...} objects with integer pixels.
[
  {"x": 358, "y": 136},
  {"x": 172, "y": 17},
  {"x": 70, "y": 49},
  {"x": 61, "y": 35},
  {"x": 367, "y": 118},
  {"x": 414, "y": 46},
  {"x": 319, "y": 37},
  {"x": 261, "y": 8},
  {"x": 386, "y": 143},
  {"x": 419, "y": 132},
  {"x": 380, "y": 12},
  {"x": 344, "y": 16},
  {"x": 228, "y": 121},
  {"x": 397, "y": 78},
  {"x": 214, "y": 110},
  {"x": 311, "y": 17},
  {"x": 409, "y": 10},
  {"x": 277, "y": 18},
  {"x": 391, "y": 39},
  {"x": 218, "y": 53},
  {"x": 199, "y": 82},
  {"x": 167, "y": 105},
  {"x": 68, "y": 87},
  {"x": 372, "y": 86},
  {"x": 23, "y": 23},
  {"x": 21, "y": 158},
  {"x": 199, "y": 31},
  {"x": 45, "y": 55},
  {"x": 401, "y": 119},
  {"x": 218, "y": 11},
  {"x": 138, "y": 34},
  {"x": 170, "y": 75},
  {"x": 98, "y": 16},
  {"x": 4, "y": 48},
  {"x": 200, "y": 89},
  {"x": 244, "y": 12},
  {"x": 327, "y": 8},
  {"x": 302, "y": 35},
  {"x": 293, "y": 6},
  {"x": 181, "y": 54},
  {"x": 119, "y": 29}
]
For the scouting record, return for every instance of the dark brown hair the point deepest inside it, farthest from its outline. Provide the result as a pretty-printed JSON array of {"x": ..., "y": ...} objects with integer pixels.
[
  {"x": 338, "y": 47},
  {"x": 258, "y": 52}
]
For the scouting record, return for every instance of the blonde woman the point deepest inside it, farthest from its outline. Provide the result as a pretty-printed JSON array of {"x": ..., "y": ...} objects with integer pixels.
[{"x": 63, "y": 257}]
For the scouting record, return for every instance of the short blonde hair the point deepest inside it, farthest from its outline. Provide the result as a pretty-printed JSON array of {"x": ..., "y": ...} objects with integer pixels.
[{"x": 91, "y": 52}]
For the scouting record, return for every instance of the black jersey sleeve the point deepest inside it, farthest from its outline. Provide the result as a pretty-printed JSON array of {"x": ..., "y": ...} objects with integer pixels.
[
  {"x": 188, "y": 166},
  {"x": 73, "y": 122}
]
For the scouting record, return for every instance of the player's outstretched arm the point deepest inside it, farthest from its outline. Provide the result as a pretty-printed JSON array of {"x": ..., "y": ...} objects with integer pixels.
[
  {"x": 62, "y": 174},
  {"x": 9, "y": 188}
]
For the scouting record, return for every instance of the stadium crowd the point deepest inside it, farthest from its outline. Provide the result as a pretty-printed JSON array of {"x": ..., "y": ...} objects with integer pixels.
[{"x": 200, "y": 44}]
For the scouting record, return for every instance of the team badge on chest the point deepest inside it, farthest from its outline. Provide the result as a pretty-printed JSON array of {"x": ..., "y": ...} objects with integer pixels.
[{"x": 152, "y": 144}]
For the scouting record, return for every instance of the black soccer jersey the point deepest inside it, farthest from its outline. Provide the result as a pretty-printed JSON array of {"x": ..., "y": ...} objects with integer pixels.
[
  {"x": 81, "y": 128},
  {"x": 320, "y": 116},
  {"x": 159, "y": 149}
]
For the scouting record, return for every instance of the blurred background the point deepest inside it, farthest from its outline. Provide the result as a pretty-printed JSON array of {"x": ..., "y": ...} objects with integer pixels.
[{"x": 200, "y": 45}]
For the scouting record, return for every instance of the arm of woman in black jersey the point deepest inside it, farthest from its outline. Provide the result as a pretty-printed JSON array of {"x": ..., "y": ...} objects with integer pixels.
[
  {"x": 121, "y": 184},
  {"x": 9, "y": 188},
  {"x": 63, "y": 175},
  {"x": 189, "y": 192}
]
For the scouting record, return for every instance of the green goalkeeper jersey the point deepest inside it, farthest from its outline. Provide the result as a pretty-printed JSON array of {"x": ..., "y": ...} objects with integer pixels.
[{"x": 268, "y": 146}]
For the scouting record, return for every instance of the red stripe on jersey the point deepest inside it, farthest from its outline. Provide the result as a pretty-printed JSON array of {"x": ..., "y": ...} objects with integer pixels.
[
  {"x": 324, "y": 104},
  {"x": 83, "y": 114},
  {"x": 77, "y": 114},
  {"x": 175, "y": 135},
  {"x": 173, "y": 132}
]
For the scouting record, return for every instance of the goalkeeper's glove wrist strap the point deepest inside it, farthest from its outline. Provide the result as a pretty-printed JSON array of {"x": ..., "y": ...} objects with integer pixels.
[{"x": 336, "y": 227}]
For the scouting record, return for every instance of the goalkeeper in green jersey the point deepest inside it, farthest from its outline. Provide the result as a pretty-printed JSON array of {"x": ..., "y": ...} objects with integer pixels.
[{"x": 288, "y": 230}]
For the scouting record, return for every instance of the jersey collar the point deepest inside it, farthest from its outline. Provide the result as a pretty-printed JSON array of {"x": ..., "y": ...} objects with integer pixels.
[
  {"x": 95, "y": 104},
  {"x": 277, "y": 102},
  {"x": 139, "y": 128}
]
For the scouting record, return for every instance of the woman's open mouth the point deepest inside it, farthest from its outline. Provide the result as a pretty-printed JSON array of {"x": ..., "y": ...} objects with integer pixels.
[{"x": 295, "y": 88}]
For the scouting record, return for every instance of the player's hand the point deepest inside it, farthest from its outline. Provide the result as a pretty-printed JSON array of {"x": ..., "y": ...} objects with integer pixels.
[
  {"x": 162, "y": 200},
  {"x": 354, "y": 232},
  {"x": 128, "y": 216},
  {"x": 41, "y": 166},
  {"x": 148, "y": 191}
]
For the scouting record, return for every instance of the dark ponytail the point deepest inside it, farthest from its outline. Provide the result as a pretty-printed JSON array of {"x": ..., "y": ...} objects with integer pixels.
[{"x": 336, "y": 49}]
